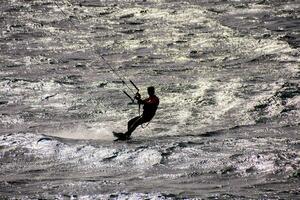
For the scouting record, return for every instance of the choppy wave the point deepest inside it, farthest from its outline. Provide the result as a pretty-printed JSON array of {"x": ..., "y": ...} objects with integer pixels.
[
  {"x": 226, "y": 72},
  {"x": 213, "y": 162}
]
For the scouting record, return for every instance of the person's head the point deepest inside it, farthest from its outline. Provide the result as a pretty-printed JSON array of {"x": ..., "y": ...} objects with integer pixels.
[{"x": 151, "y": 90}]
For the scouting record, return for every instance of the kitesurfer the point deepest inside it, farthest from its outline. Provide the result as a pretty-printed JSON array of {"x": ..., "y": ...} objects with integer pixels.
[{"x": 149, "y": 109}]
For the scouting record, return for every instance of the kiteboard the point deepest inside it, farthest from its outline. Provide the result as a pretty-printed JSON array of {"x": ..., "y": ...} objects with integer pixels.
[{"x": 120, "y": 136}]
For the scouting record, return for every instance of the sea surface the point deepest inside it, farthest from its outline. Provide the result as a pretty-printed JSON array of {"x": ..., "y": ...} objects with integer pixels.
[{"x": 227, "y": 73}]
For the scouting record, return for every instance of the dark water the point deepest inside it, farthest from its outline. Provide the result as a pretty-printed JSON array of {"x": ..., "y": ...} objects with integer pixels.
[{"x": 226, "y": 72}]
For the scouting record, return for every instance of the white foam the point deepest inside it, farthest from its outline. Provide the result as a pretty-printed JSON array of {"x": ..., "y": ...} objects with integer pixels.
[
  {"x": 295, "y": 102},
  {"x": 80, "y": 132},
  {"x": 7, "y": 120},
  {"x": 148, "y": 158}
]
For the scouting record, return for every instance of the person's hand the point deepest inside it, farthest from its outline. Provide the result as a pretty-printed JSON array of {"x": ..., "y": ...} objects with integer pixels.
[{"x": 137, "y": 96}]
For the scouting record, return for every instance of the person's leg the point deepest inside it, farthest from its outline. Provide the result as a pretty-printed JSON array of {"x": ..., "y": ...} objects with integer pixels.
[{"x": 133, "y": 124}]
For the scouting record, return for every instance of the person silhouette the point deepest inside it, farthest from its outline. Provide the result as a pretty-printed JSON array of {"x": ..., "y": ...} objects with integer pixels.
[{"x": 149, "y": 109}]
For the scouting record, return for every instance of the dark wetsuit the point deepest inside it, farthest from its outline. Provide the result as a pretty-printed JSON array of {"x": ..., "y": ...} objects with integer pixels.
[{"x": 149, "y": 110}]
